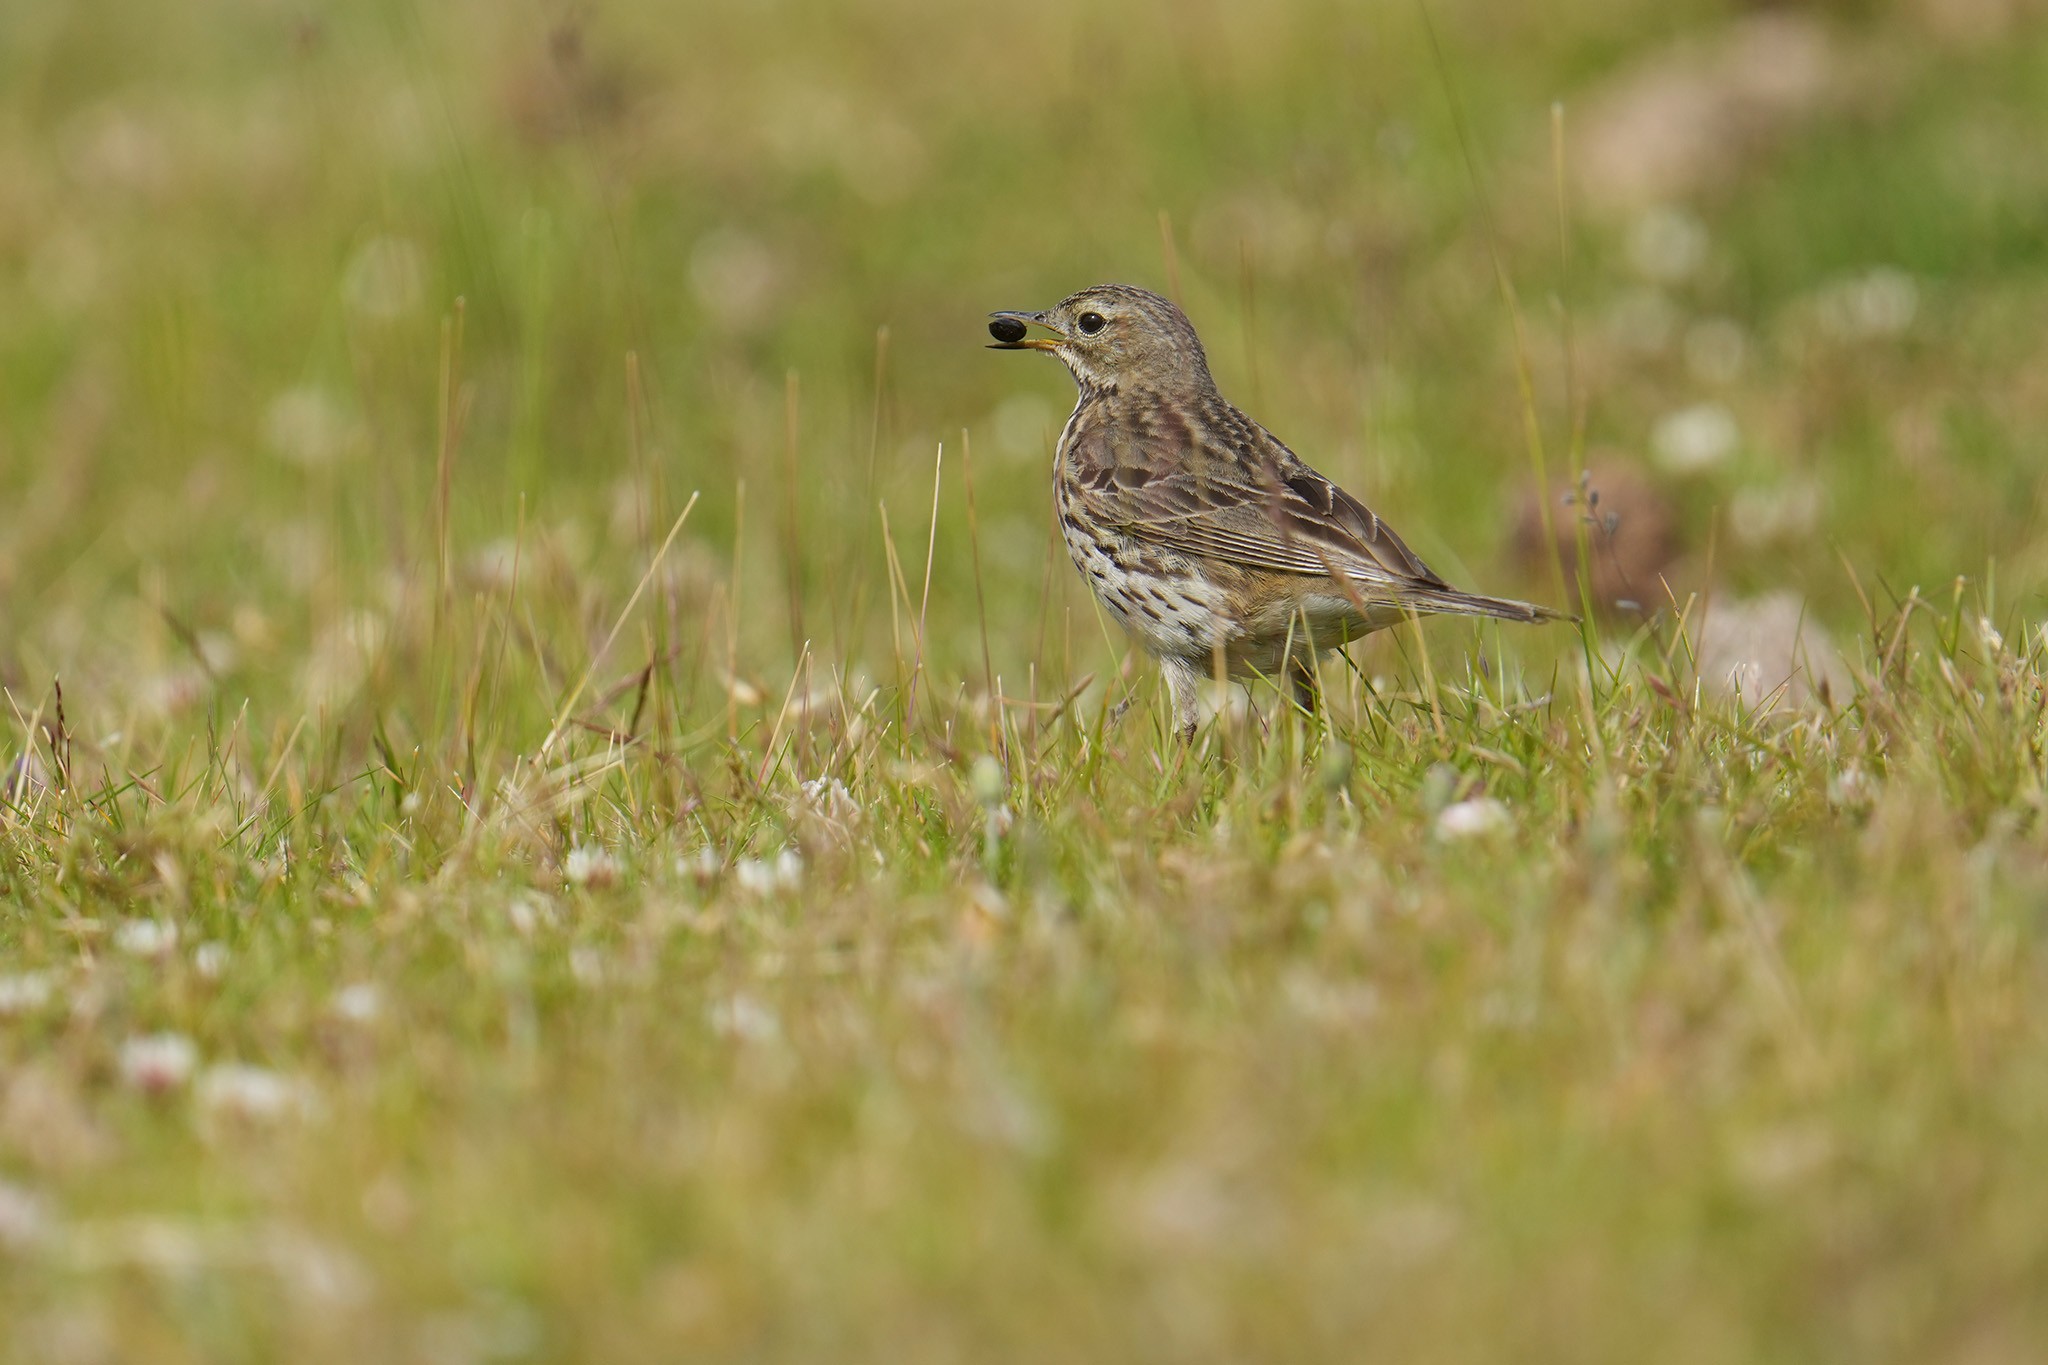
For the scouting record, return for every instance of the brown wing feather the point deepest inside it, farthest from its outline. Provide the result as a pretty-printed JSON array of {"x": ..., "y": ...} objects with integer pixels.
[{"x": 1219, "y": 485}]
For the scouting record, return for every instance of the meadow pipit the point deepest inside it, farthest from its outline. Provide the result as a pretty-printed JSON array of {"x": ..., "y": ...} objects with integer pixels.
[{"x": 1205, "y": 536}]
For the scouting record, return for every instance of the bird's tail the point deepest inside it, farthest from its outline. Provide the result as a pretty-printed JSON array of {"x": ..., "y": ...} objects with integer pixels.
[{"x": 1451, "y": 602}]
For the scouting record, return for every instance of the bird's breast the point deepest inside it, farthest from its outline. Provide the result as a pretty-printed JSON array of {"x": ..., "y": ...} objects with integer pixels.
[{"x": 1165, "y": 599}]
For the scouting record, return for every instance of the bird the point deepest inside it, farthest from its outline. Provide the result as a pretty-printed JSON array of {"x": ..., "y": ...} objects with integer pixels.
[{"x": 1199, "y": 531}]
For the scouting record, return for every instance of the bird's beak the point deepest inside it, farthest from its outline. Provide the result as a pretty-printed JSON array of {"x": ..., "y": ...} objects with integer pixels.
[{"x": 1008, "y": 329}]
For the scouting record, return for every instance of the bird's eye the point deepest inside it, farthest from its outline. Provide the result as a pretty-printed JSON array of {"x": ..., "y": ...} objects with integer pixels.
[{"x": 1091, "y": 323}]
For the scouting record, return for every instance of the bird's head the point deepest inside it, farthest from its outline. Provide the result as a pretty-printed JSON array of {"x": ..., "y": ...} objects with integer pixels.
[{"x": 1111, "y": 336}]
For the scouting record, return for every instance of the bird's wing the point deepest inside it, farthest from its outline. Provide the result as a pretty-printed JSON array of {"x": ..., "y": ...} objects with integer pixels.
[{"x": 1231, "y": 491}]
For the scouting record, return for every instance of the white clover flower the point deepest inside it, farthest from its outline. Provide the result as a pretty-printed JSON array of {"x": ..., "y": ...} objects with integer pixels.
[
  {"x": 236, "y": 1090},
  {"x": 704, "y": 866},
  {"x": 1696, "y": 439},
  {"x": 495, "y": 565},
  {"x": 24, "y": 992},
  {"x": 744, "y": 1017},
  {"x": 158, "y": 1062},
  {"x": 1476, "y": 818},
  {"x": 759, "y": 877},
  {"x": 829, "y": 798},
  {"x": 210, "y": 960},
  {"x": 789, "y": 869},
  {"x": 1853, "y": 788},
  {"x": 24, "y": 1217},
  {"x": 146, "y": 937},
  {"x": 591, "y": 867},
  {"x": 360, "y": 1003},
  {"x": 528, "y": 913}
]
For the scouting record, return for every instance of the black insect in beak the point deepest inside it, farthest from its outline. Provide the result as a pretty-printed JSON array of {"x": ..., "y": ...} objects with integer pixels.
[{"x": 1008, "y": 329}]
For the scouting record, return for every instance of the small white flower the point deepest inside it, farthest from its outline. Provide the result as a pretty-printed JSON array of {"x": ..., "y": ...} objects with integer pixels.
[
  {"x": 236, "y": 1090},
  {"x": 745, "y": 1018},
  {"x": 1696, "y": 439},
  {"x": 495, "y": 566},
  {"x": 789, "y": 869},
  {"x": 758, "y": 877},
  {"x": 528, "y": 913},
  {"x": 24, "y": 992},
  {"x": 1853, "y": 788},
  {"x": 590, "y": 866},
  {"x": 210, "y": 960},
  {"x": 1988, "y": 635},
  {"x": 146, "y": 937},
  {"x": 158, "y": 1062},
  {"x": 829, "y": 798},
  {"x": 24, "y": 1217},
  {"x": 361, "y": 1003},
  {"x": 1476, "y": 818}
]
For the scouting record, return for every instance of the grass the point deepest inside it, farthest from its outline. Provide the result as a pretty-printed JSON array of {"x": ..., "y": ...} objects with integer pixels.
[{"x": 546, "y": 821}]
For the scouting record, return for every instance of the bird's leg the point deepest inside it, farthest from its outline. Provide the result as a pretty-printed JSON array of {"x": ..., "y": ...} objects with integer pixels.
[
  {"x": 1302, "y": 684},
  {"x": 1182, "y": 683}
]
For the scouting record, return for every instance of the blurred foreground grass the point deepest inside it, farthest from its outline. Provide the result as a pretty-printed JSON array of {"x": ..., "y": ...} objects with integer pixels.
[{"x": 444, "y": 918}]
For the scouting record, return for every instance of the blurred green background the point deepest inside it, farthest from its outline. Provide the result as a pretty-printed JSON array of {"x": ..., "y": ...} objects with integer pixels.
[
  {"x": 1791, "y": 273},
  {"x": 355, "y": 360}
]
